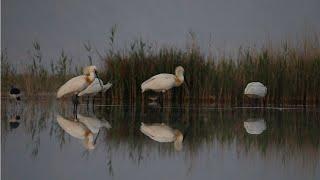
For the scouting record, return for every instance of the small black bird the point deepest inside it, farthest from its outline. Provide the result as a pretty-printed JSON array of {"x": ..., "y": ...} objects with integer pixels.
[
  {"x": 14, "y": 122},
  {"x": 14, "y": 125},
  {"x": 15, "y": 93}
]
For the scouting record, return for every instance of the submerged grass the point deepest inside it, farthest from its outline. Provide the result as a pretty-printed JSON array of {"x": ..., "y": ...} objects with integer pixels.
[{"x": 291, "y": 73}]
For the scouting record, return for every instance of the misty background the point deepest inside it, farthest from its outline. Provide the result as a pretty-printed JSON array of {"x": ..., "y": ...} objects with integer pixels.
[{"x": 226, "y": 24}]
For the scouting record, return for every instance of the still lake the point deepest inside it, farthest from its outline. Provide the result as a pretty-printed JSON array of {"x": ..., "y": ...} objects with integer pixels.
[{"x": 218, "y": 143}]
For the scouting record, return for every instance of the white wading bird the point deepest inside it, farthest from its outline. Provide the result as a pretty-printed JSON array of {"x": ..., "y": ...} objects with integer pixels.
[
  {"x": 77, "y": 130},
  {"x": 94, "y": 88},
  {"x": 255, "y": 90},
  {"x": 78, "y": 84},
  {"x": 163, "y": 133},
  {"x": 163, "y": 82},
  {"x": 255, "y": 126}
]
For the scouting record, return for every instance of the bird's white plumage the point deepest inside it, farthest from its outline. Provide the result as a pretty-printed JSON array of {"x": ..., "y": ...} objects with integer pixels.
[
  {"x": 158, "y": 132},
  {"x": 163, "y": 82},
  {"x": 159, "y": 83},
  {"x": 255, "y": 90},
  {"x": 73, "y": 86},
  {"x": 255, "y": 126},
  {"x": 79, "y": 83},
  {"x": 95, "y": 88},
  {"x": 163, "y": 133},
  {"x": 106, "y": 87},
  {"x": 93, "y": 123},
  {"x": 77, "y": 130}
]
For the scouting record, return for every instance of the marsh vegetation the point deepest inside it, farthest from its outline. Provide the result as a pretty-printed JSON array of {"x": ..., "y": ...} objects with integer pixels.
[{"x": 289, "y": 70}]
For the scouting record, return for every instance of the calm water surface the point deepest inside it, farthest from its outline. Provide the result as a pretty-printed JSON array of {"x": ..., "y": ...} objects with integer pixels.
[{"x": 218, "y": 143}]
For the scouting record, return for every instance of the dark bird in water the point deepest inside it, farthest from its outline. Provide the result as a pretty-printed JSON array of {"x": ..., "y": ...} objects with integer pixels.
[
  {"x": 14, "y": 122},
  {"x": 15, "y": 93}
]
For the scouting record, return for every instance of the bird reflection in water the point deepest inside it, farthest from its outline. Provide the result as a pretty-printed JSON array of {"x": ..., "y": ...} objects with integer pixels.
[
  {"x": 83, "y": 128},
  {"x": 163, "y": 133},
  {"x": 255, "y": 125},
  {"x": 14, "y": 122}
]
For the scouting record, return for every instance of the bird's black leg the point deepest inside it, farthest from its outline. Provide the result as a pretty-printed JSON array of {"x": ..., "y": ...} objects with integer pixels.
[
  {"x": 93, "y": 104},
  {"x": 74, "y": 105},
  {"x": 161, "y": 99},
  {"x": 256, "y": 102},
  {"x": 93, "y": 99},
  {"x": 95, "y": 139},
  {"x": 77, "y": 103},
  {"x": 88, "y": 99}
]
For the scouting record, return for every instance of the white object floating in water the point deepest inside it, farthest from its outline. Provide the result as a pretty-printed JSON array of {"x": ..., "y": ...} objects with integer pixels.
[
  {"x": 77, "y": 130},
  {"x": 163, "y": 82},
  {"x": 163, "y": 133},
  {"x": 93, "y": 123},
  {"x": 255, "y": 90},
  {"x": 95, "y": 88},
  {"x": 255, "y": 126}
]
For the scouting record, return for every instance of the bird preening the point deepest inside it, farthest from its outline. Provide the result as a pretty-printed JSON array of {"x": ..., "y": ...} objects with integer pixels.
[
  {"x": 163, "y": 82},
  {"x": 77, "y": 84},
  {"x": 255, "y": 91},
  {"x": 94, "y": 88},
  {"x": 90, "y": 84}
]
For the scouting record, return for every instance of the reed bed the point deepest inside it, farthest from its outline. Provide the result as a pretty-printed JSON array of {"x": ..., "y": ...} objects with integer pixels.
[{"x": 290, "y": 72}]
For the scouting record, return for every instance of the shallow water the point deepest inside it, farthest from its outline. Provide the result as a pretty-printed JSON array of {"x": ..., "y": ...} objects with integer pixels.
[{"x": 233, "y": 143}]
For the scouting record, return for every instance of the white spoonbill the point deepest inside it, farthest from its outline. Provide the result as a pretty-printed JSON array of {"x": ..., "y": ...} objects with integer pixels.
[
  {"x": 163, "y": 82},
  {"x": 163, "y": 133},
  {"x": 95, "y": 87},
  {"x": 78, "y": 130},
  {"x": 255, "y": 90},
  {"x": 255, "y": 126},
  {"x": 93, "y": 123},
  {"x": 78, "y": 84}
]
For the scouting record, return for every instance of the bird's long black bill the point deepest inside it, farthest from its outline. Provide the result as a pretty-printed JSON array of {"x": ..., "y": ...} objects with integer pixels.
[
  {"x": 95, "y": 139},
  {"x": 99, "y": 79},
  {"x": 186, "y": 131},
  {"x": 187, "y": 86}
]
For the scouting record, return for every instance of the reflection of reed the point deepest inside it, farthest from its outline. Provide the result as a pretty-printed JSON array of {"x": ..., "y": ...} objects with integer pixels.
[
  {"x": 290, "y": 135},
  {"x": 296, "y": 132}
]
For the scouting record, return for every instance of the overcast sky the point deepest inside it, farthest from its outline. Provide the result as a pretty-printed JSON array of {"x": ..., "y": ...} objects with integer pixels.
[{"x": 68, "y": 24}]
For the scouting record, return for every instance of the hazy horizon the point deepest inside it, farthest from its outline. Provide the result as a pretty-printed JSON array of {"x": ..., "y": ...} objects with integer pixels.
[{"x": 58, "y": 25}]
